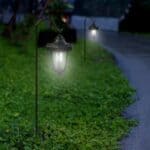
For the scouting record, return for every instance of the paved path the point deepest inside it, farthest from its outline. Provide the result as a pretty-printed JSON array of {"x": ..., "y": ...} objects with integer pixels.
[{"x": 133, "y": 55}]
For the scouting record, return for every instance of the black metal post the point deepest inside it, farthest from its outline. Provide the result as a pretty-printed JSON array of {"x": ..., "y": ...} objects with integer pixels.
[
  {"x": 36, "y": 82},
  {"x": 84, "y": 50}
]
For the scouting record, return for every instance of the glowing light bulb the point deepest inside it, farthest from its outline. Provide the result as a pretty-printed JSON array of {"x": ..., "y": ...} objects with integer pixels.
[
  {"x": 59, "y": 61},
  {"x": 64, "y": 19},
  {"x": 93, "y": 32}
]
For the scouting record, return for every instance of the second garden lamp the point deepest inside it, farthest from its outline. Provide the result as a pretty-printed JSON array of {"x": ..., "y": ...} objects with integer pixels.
[
  {"x": 93, "y": 29},
  {"x": 59, "y": 49}
]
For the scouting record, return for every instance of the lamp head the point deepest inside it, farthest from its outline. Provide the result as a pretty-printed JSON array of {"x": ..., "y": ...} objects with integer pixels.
[
  {"x": 93, "y": 29},
  {"x": 93, "y": 26},
  {"x": 60, "y": 49}
]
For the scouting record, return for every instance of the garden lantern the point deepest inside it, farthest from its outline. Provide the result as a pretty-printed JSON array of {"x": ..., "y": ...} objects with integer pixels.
[
  {"x": 59, "y": 49},
  {"x": 93, "y": 29},
  {"x": 65, "y": 18}
]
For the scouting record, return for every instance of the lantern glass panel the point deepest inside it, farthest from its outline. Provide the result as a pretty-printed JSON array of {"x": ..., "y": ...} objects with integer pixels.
[
  {"x": 93, "y": 32},
  {"x": 59, "y": 60}
]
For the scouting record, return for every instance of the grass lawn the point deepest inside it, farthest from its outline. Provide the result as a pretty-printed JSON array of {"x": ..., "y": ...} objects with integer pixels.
[
  {"x": 79, "y": 110},
  {"x": 144, "y": 34}
]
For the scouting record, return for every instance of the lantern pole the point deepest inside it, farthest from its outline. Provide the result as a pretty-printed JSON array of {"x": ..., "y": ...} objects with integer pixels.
[
  {"x": 36, "y": 130},
  {"x": 36, "y": 83},
  {"x": 84, "y": 49}
]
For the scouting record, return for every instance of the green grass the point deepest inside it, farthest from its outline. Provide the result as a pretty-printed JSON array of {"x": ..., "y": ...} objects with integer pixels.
[
  {"x": 79, "y": 110},
  {"x": 147, "y": 35},
  {"x": 1, "y": 28}
]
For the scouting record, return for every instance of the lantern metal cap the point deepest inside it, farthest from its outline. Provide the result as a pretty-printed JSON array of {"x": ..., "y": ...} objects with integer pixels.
[
  {"x": 93, "y": 26},
  {"x": 59, "y": 44}
]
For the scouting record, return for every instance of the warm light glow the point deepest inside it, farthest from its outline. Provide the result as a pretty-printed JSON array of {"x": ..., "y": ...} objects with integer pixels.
[
  {"x": 64, "y": 19},
  {"x": 59, "y": 60}
]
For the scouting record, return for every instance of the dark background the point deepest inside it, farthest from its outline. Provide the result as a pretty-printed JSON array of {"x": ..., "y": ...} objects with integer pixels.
[{"x": 137, "y": 20}]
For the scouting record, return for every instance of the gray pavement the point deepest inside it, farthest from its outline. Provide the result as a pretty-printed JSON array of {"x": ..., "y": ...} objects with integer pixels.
[{"x": 132, "y": 53}]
